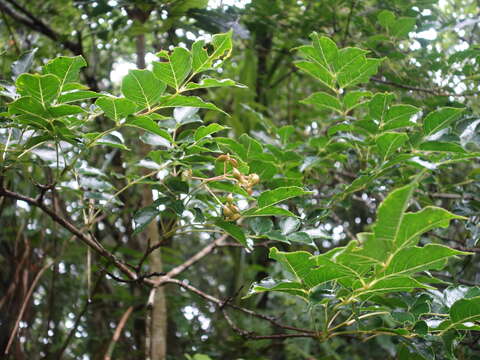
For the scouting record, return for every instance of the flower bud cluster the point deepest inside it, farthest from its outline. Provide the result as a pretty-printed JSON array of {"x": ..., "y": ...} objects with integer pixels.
[{"x": 247, "y": 182}]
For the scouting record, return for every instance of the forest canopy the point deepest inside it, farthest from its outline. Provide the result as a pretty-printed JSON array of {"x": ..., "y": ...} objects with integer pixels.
[{"x": 244, "y": 180}]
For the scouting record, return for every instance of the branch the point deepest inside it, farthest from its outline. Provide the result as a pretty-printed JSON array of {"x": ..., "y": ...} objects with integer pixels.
[
  {"x": 118, "y": 332},
  {"x": 23, "y": 16},
  {"x": 436, "y": 92},
  {"x": 24, "y": 305},
  {"x": 349, "y": 19},
  {"x": 251, "y": 336},
  {"x": 463, "y": 248},
  {"x": 221, "y": 304},
  {"x": 198, "y": 256},
  {"x": 450, "y": 277},
  {"x": 452, "y": 196},
  {"x": 87, "y": 240}
]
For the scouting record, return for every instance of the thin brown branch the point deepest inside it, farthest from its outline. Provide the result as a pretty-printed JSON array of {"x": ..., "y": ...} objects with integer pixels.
[
  {"x": 23, "y": 16},
  {"x": 349, "y": 19},
  {"x": 86, "y": 239},
  {"x": 251, "y": 335},
  {"x": 452, "y": 196},
  {"x": 198, "y": 256},
  {"x": 436, "y": 92},
  {"x": 24, "y": 305},
  {"x": 118, "y": 332},
  {"x": 452, "y": 278},
  {"x": 220, "y": 303},
  {"x": 463, "y": 248}
]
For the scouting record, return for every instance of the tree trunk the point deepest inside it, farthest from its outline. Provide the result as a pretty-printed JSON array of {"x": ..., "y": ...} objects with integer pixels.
[{"x": 156, "y": 324}]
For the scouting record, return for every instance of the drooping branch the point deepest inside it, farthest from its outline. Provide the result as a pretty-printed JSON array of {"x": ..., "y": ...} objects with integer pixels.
[
  {"x": 21, "y": 15},
  {"x": 434, "y": 92},
  {"x": 168, "y": 277},
  {"x": 86, "y": 239},
  {"x": 221, "y": 304}
]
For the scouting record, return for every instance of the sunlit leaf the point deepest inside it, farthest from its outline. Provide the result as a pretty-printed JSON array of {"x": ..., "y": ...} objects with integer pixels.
[{"x": 143, "y": 88}]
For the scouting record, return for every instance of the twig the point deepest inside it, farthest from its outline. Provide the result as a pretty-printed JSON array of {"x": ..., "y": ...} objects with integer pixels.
[
  {"x": 24, "y": 305},
  {"x": 86, "y": 239},
  {"x": 436, "y": 92},
  {"x": 238, "y": 308},
  {"x": 117, "y": 333},
  {"x": 463, "y": 248},
  {"x": 452, "y": 196},
  {"x": 449, "y": 277},
  {"x": 23, "y": 16},
  {"x": 251, "y": 335},
  {"x": 349, "y": 19},
  {"x": 198, "y": 256},
  {"x": 139, "y": 278}
]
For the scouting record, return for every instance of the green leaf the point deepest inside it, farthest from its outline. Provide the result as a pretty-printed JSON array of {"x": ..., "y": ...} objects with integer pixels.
[
  {"x": 399, "y": 116},
  {"x": 348, "y": 59},
  {"x": 393, "y": 284},
  {"x": 204, "y": 131},
  {"x": 187, "y": 101},
  {"x": 209, "y": 82},
  {"x": 439, "y": 146},
  {"x": 146, "y": 123},
  {"x": 440, "y": 119},
  {"x": 252, "y": 147},
  {"x": 144, "y": 217},
  {"x": 228, "y": 187},
  {"x": 290, "y": 287},
  {"x": 401, "y": 27},
  {"x": 303, "y": 266},
  {"x": 65, "y": 68},
  {"x": 116, "y": 108},
  {"x": 317, "y": 71},
  {"x": 378, "y": 106},
  {"x": 324, "y": 101},
  {"x": 260, "y": 225},
  {"x": 320, "y": 57},
  {"x": 23, "y": 63},
  {"x": 415, "y": 224},
  {"x": 78, "y": 96},
  {"x": 64, "y": 110},
  {"x": 43, "y": 88},
  {"x": 113, "y": 140},
  {"x": 386, "y": 18},
  {"x": 389, "y": 142},
  {"x": 390, "y": 215},
  {"x": 175, "y": 70},
  {"x": 415, "y": 259},
  {"x": 267, "y": 211},
  {"x": 359, "y": 71},
  {"x": 297, "y": 263},
  {"x": 301, "y": 237},
  {"x": 354, "y": 98},
  {"x": 465, "y": 311},
  {"x": 143, "y": 88},
  {"x": 222, "y": 48},
  {"x": 28, "y": 106},
  {"x": 275, "y": 196},
  {"x": 233, "y": 230}
]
